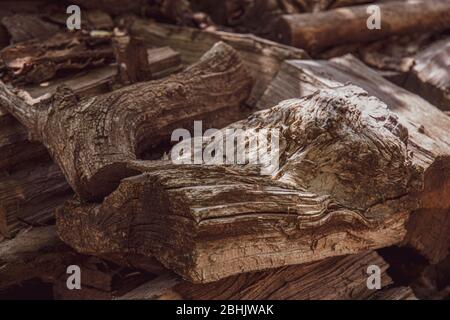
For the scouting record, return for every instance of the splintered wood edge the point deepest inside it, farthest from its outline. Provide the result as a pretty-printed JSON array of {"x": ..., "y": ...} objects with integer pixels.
[{"x": 210, "y": 222}]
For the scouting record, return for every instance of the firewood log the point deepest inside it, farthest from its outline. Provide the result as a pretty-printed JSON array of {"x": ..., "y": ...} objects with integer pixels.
[
  {"x": 429, "y": 142},
  {"x": 343, "y": 185},
  {"x": 30, "y": 195},
  {"x": 35, "y": 253},
  {"x": 22, "y": 27},
  {"x": 36, "y": 61},
  {"x": 315, "y": 32},
  {"x": 430, "y": 76},
  {"x": 261, "y": 57},
  {"x": 247, "y": 15},
  {"x": 131, "y": 58},
  {"x": 92, "y": 139},
  {"x": 31, "y": 185},
  {"x": 331, "y": 279}
]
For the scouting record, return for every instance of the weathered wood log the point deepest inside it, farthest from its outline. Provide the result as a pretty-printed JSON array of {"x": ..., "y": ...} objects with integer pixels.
[
  {"x": 24, "y": 27},
  {"x": 343, "y": 185},
  {"x": 14, "y": 145},
  {"x": 236, "y": 13},
  {"x": 35, "y": 253},
  {"x": 429, "y": 142},
  {"x": 315, "y": 32},
  {"x": 430, "y": 76},
  {"x": 131, "y": 58},
  {"x": 36, "y": 61},
  {"x": 130, "y": 118},
  {"x": 262, "y": 57},
  {"x": 419, "y": 63},
  {"x": 29, "y": 196},
  {"x": 15, "y": 148},
  {"x": 335, "y": 278}
]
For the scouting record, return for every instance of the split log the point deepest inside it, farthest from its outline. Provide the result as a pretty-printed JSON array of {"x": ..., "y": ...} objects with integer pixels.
[
  {"x": 94, "y": 160},
  {"x": 429, "y": 142},
  {"x": 36, "y": 61},
  {"x": 430, "y": 76},
  {"x": 419, "y": 64},
  {"x": 131, "y": 58},
  {"x": 343, "y": 186},
  {"x": 261, "y": 57},
  {"x": 29, "y": 197},
  {"x": 31, "y": 185},
  {"x": 335, "y": 278},
  {"x": 24, "y": 27},
  {"x": 35, "y": 253},
  {"x": 15, "y": 148},
  {"x": 246, "y": 16},
  {"x": 315, "y": 32},
  {"x": 163, "y": 62}
]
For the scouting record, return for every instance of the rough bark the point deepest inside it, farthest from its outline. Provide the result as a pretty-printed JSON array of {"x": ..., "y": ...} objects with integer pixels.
[
  {"x": 92, "y": 139},
  {"x": 36, "y": 61},
  {"x": 428, "y": 143},
  {"x": 315, "y": 32},
  {"x": 342, "y": 186},
  {"x": 335, "y": 278},
  {"x": 262, "y": 57}
]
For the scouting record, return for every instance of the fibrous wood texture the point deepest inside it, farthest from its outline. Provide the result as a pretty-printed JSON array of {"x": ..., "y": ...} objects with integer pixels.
[
  {"x": 86, "y": 138},
  {"x": 331, "y": 279},
  {"x": 315, "y": 32},
  {"x": 343, "y": 185},
  {"x": 428, "y": 142}
]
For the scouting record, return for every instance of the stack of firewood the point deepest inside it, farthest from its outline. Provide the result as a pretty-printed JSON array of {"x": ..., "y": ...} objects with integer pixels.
[{"x": 363, "y": 182}]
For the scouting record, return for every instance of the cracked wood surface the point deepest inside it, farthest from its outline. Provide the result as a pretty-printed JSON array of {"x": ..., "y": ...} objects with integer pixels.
[
  {"x": 343, "y": 186},
  {"x": 92, "y": 139},
  {"x": 336, "y": 278},
  {"x": 428, "y": 143}
]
